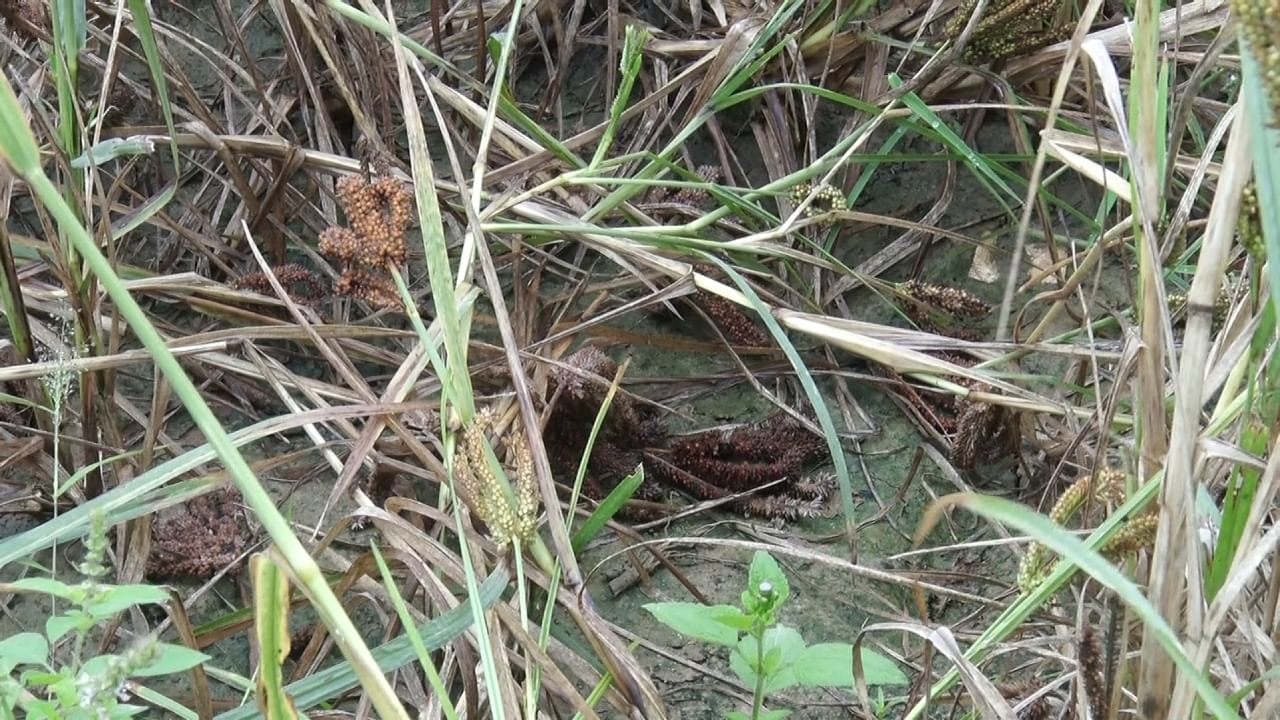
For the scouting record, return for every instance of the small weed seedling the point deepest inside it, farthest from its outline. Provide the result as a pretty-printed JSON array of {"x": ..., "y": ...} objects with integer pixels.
[
  {"x": 60, "y": 683},
  {"x": 765, "y": 654}
]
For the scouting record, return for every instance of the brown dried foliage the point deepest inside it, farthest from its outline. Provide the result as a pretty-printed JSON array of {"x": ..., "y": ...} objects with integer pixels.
[
  {"x": 709, "y": 465},
  {"x": 301, "y": 284},
  {"x": 1016, "y": 692},
  {"x": 980, "y": 432},
  {"x": 629, "y": 427},
  {"x": 985, "y": 432},
  {"x": 208, "y": 535},
  {"x": 379, "y": 213},
  {"x": 24, "y": 17},
  {"x": 1092, "y": 678},
  {"x": 737, "y": 326},
  {"x": 749, "y": 456}
]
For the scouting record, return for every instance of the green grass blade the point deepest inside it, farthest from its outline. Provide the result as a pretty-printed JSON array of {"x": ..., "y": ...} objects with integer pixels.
[
  {"x": 457, "y": 385},
  {"x": 1266, "y": 162},
  {"x": 155, "y": 65},
  {"x": 419, "y": 647},
  {"x": 1241, "y": 489},
  {"x": 1079, "y": 553},
  {"x": 608, "y": 507},
  {"x": 632, "y": 60},
  {"x": 271, "y": 623},
  {"x": 333, "y": 682},
  {"x": 811, "y": 392},
  {"x": 977, "y": 164},
  {"x": 1022, "y": 608}
]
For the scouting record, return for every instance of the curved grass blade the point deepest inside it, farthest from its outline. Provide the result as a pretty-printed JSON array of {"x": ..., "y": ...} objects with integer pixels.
[
  {"x": 978, "y": 164},
  {"x": 1079, "y": 553},
  {"x": 609, "y": 507},
  {"x": 419, "y": 647},
  {"x": 811, "y": 392},
  {"x": 1022, "y": 608},
  {"x": 271, "y": 623},
  {"x": 334, "y": 681}
]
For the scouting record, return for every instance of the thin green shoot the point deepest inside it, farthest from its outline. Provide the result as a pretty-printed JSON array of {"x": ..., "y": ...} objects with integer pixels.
[{"x": 415, "y": 639}]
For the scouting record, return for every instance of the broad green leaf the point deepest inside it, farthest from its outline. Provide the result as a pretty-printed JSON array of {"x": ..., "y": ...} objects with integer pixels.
[
  {"x": 172, "y": 659},
  {"x": 96, "y": 666},
  {"x": 41, "y": 709},
  {"x": 732, "y": 617},
  {"x": 765, "y": 575},
  {"x": 47, "y": 586},
  {"x": 696, "y": 620},
  {"x": 782, "y": 647},
  {"x": 9, "y": 692},
  {"x": 123, "y": 597},
  {"x": 831, "y": 665},
  {"x": 772, "y": 661},
  {"x": 57, "y": 626},
  {"x": 26, "y": 648},
  {"x": 41, "y": 678}
]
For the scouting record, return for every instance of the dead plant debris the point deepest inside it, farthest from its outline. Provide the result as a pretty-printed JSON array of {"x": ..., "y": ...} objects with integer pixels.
[
  {"x": 302, "y": 285},
  {"x": 207, "y": 536},
  {"x": 1009, "y": 28},
  {"x": 24, "y": 17},
  {"x": 709, "y": 465},
  {"x": 379, "y": 213}
]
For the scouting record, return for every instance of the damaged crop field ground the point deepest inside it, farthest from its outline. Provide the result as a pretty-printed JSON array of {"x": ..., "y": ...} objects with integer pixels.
[{"x": 639, "y": 359}]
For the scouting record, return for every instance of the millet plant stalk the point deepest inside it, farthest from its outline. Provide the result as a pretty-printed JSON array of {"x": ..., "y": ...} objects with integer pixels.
[{"x": 18, "y": 149}]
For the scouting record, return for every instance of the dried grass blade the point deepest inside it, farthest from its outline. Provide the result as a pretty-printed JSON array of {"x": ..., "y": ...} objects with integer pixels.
[
  {"x": 1179, "y": 520},
  {"x": 985, "y": 694}
]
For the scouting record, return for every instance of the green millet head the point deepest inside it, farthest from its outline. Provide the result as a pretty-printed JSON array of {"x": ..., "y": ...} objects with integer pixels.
[
  {"x": 1260, "y": 29},
  {"x": 1249, "y": 227},
  {"x": 1136, "y": 535},
  {"x": 1034, "y": 568},
  {"x": 826, "y": 199}
]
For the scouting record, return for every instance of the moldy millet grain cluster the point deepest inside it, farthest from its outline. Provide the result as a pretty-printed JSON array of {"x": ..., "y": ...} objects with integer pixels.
[{"x": 379, "y": 212}]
